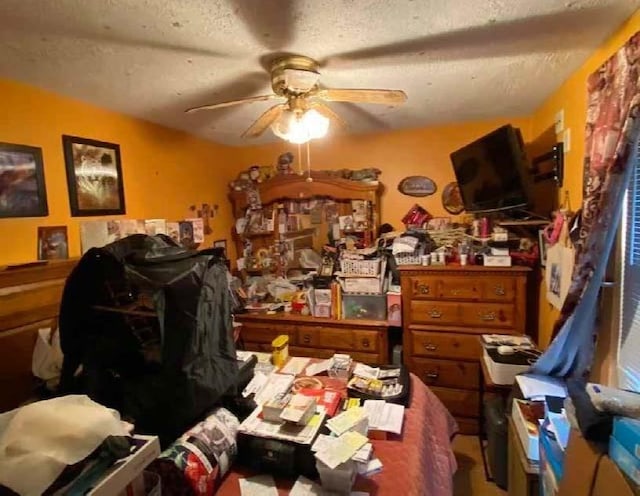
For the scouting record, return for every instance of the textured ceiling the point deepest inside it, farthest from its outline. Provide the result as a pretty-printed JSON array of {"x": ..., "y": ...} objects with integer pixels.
[{"x": 456, "y": 59}]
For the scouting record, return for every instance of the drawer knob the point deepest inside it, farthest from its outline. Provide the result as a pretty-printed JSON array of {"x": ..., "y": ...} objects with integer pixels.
[
  {"x": 434, "y": 313},
  {"x": 306, "y": 339},
  {"x": 487, "y": 316},
  {"x": 432, "y": 375},
  {"x": 499, "y": 290},
  {"x": 423, "y": 289},
  {"x": 365, "y": 343},
  {"x": 430, "y": 347}
]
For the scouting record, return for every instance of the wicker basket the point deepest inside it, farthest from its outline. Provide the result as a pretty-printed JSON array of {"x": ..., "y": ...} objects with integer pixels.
[
  {"x": 409, "y": 258},
  {"x": 362, "y": 268}
]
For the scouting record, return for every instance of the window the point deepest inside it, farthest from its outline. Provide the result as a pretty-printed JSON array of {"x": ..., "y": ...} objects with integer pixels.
[{"x": 629, "y": 331}]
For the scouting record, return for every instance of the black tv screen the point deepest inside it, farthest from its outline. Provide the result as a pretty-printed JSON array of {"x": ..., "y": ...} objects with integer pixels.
[{"x": 492, "y": 172}]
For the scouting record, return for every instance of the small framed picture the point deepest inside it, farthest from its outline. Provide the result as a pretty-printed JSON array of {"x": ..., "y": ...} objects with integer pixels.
[
  {"x": 221, "y": 243},
  {"x": 53, "y": 243},
  {"x": 22, "y": 189},
  {"x": 94, "y": 177},
  {"x": 542, "y": 247}
]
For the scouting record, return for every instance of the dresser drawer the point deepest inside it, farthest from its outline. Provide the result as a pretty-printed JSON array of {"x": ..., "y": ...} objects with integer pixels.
[
  {"x": 482, "y": 314},
  {"x": 459, "y": 401},
  {"x": 341, "y": 339},
  {"x": 301, "y": 351},
  {"x": 446, "y": 287},
  {"x": 445, "y": 345},
  {"x": 366, "y": 341},
  {"x": 265, "y": 333},
  {"x": 435, "y": 312},
  {"x": 499, "y": 289},
  {"x": 451, "y": 373}
]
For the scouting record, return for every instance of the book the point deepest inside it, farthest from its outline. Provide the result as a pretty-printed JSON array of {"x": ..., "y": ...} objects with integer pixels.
[
  {"x": 328, "y": 399},
  {"x": 198, "y": 229},
  {"x": 299, "y": 410}
]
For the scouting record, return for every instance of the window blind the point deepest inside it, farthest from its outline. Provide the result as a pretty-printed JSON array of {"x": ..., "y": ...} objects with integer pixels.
[{"x": 629, "y": 332}]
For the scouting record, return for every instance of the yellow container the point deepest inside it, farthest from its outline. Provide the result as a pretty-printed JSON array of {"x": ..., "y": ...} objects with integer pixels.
[{"x": 280, "y": 353}]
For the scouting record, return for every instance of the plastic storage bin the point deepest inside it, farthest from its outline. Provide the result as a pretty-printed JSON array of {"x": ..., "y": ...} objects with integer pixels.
[{"x": 363, "y": 306}]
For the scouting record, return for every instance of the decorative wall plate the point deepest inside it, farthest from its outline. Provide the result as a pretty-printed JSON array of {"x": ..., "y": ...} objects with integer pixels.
[
  {"x": 417, "y": 186},
  {"x": 452, "y": 199}
]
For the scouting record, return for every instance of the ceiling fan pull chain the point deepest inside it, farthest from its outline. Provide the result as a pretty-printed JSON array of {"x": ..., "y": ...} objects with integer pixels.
[{"x": 309, "y": 178}]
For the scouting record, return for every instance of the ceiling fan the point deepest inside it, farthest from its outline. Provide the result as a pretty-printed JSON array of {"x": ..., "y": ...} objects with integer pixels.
[{"x": 303, "y": 114}]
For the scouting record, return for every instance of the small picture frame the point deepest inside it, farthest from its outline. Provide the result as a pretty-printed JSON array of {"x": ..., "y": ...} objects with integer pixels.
[
  {"x": 53, "y": 243},
  {"x": 221, "y": 243},
  {"x": 94, "y": 177},
  {"x": 542, "y": 248},
  {"x": 22, "y": 174}
]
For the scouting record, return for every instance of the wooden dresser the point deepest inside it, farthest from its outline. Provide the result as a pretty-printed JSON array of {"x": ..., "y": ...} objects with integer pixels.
[
  {"x": 364, "y": 340},
  {"x": 445, "y": 309}
]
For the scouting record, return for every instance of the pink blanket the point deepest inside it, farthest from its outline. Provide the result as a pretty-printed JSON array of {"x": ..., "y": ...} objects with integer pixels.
[{"x": 420, "y": 462}]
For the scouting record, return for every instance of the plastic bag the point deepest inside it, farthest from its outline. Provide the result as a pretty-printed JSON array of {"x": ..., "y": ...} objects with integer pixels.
[
  {"x": 46, "y": 362},
  {"x": 559, "y": 269}
]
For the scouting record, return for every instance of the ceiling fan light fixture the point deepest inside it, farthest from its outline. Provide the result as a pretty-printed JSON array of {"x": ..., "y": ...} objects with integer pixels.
[{"x": 300, "y": 128}]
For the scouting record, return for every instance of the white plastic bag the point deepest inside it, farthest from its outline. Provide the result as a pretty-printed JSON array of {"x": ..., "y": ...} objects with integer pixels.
[
  {"x": 46, "y": 362},
  {"x": 559, "y": 269}
]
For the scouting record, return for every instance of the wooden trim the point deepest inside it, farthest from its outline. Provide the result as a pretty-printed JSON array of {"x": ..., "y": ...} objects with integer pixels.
[
  {"x": 306, "y": 320},
  {"x": 415, "y": 270},
  {"x": 53, "y": 269}
]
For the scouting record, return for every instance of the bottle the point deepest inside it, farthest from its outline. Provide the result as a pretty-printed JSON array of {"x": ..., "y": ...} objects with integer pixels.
[{"x": 282, "y": 219}]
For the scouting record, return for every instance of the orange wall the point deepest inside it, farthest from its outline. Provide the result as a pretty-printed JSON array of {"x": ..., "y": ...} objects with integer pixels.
[
  {"x": 164, "y": 171},
  {"x": 397, "y": 154},
  {"x": 572, "y": 97}
]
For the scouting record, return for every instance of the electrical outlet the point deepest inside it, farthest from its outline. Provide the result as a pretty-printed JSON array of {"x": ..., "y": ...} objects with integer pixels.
[
  {"x": 559, "y": 121},
  {"x": 566, "y": 140}
]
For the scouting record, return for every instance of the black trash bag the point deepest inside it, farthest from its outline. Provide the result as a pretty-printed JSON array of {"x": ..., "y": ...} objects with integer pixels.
[{"x": 164, "y": 367}]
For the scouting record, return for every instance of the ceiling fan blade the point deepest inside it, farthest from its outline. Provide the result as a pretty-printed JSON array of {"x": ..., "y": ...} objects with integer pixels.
[
  {"x": 230, "y": 103},
  {"x": 264, "y": 121},
  {"x": 384, "y": 97},
  {"x": 535, "y": 34},
  {"x": 270, "y": 22},
  {"x": 329, "y": 114}
]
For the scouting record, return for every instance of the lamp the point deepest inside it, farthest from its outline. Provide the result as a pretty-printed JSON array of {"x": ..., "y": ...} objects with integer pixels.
[{"x": 300, "y": 127}]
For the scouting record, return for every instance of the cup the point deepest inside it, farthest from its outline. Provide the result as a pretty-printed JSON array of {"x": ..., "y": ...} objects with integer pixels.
[
  {"x": 425, "y": 259},
  {"x": 463, "y": 259},
  {"x": 434, "y": 257},
  {"x": 442, "y": 257}
]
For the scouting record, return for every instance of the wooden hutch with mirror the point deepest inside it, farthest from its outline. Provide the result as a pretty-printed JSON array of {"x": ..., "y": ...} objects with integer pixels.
[{"x": 285, "y": 216}]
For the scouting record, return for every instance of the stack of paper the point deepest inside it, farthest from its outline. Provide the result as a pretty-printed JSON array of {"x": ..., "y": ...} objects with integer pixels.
[
  {"x": 295, "y": 365},
  {"x": 301, "y": 434},
  {"x": 384, "y": 416},
  {"x": 538, "y": 386},
  {"x": 341, "y": 449},
  {"x": 275, "y": 384}
]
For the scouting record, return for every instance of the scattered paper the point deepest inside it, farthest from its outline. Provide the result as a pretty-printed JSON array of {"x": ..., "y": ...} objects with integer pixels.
[
  {"x": 346, "y": 420},
  {"x": 362, "y": 370},
  {"x": 384, "y": 416},
  {"x": 260, "y": 485},
  {"x": 372, "y": 467},
  {"x": 322, "y": 442},
  {"x": 537, "y": 386},
  {"x": 318, "y": 368},
  {"x": 256, "y": 384},
  {"x": 306, "y": 487},
  {"x": 342, "y": 449},
  {"x": 363, "y": 454},
  {"x": 243, "y": 356},
  {"x": 276, "y": 384},
  {"x": 302, "y": 434},
  {"x": 295, "y": 365}
]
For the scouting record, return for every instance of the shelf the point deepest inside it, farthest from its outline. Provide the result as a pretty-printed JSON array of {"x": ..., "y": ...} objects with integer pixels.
[
  {"x": 258, "y": 234},
  {"x": 519, "y": 223}
]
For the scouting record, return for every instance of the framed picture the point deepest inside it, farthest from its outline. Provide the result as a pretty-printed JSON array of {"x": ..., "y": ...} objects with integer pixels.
[
  {"x": 94, "y": 177},
  {"x": 53, "y": 243},
  {"x": 221, "y": 243},
  {"x": 23, "y": 192},
  {"x": 542, "y": 247}
]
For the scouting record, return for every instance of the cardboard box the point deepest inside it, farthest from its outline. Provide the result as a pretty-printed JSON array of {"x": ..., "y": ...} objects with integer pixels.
[
  {"x": 526, "y": 416},
  {"x": 610, "y": 481},
  {"x": 125, "y": 477}
]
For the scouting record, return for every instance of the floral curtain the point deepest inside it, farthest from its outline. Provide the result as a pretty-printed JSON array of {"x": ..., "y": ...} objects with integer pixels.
[{"x": 610, "y": 150}]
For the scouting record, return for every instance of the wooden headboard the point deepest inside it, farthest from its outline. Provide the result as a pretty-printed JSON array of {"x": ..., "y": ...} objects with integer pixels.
[{"x": 29, "y": 300}]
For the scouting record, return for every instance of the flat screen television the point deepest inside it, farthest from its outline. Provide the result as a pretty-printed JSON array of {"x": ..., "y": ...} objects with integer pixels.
[{"x": 492, "y": 172}]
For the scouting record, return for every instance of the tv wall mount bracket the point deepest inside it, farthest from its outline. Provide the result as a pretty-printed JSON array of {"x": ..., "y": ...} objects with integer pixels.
[{"x": 555, "y": 155}]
